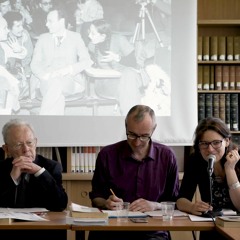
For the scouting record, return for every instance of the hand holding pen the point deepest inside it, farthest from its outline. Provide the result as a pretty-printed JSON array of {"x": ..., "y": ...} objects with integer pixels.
[{"x": 114, "y": 201}]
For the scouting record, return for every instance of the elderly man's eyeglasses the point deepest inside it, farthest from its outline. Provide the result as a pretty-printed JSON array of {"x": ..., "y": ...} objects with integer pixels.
[
  {"x": 133, "y": 136},
  {"x": 215, "y": 144},
  {"x": 31, "y": 143}
]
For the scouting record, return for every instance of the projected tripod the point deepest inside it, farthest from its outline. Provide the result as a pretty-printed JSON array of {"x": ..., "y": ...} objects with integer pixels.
[{"x": 141, "y": 25}]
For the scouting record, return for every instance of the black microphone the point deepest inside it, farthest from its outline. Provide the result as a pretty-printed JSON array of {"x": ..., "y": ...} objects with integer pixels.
[
  {"x": 211, "y": 159},
  {"x": 218, "y": 212}
]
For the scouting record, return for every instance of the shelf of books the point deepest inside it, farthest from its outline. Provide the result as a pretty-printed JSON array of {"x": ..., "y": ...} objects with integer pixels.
[
  {"x": 218, "y": 55},
  {"x": 82, "y": 159}
]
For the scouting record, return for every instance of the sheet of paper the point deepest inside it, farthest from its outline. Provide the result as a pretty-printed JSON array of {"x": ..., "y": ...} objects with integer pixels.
[
  {"x": 90, "y": 220},
  {"x": 113, "y": 214},
  {"x": 226, "y": 212},
  {"x": 195, "y": 218},
  {"x": 158, "y": 213},
  {"x": 22, "y": 216},
  {"x": 23, "y": 210},
  {"x": 80, "y": 208}
]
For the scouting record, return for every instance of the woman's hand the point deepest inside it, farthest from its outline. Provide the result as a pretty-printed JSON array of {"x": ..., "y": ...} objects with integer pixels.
[
  {"x": 200, "y": 207},
  {"x": 232, "y": 159},
  {"x": 111, "y": 56}
]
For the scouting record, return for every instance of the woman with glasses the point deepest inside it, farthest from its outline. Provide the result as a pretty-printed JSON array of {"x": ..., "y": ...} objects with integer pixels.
[
  {"x": 139, "y": 170},
  {"x": 212, "y": 138}
]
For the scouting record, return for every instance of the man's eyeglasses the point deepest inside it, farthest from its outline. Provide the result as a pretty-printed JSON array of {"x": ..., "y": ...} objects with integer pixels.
[
  {"x": 133, "y": 136},
  {"x": 215, "y": 144},
  {"x": 31, "y": 143}
]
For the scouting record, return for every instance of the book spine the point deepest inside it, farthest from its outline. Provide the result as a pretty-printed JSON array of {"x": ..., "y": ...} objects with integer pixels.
[
  {"x": 200, "y": 77},
  {"x": 227, "y": 110},
  {"x": 222, "y": 107},
  {"x": 201, "y": 106},
  {"x": 206, "y": 77},
  {"x": 212, "y": 78},
  {"x": 208, "y": 104},
  {"x": 225, "y": 77},
  {"x": 230, "y": 51},
  {"x": 82, "y": 160},
  {"x": 94, "y": 150},
  {"x": 77, "y": 160},
  {"x": 237, "y": 77},
  {"x": 200, "y": 48},
  {"x": 234, "y": 112},
  {"x": 216, "y": 105},
  {"x": 236, "y": 47},
  {"x": 206, "y": 48},
  {"x": 222, "y": 48},
  {"x": 214, "y": 48},
  {"x": 85, "y": 151},
  {"x": 218, "y": 77},
  {"x": 73, "y": 159},
  {"x": 90, "y": 159},
  {"x": 232, "y": 78}
]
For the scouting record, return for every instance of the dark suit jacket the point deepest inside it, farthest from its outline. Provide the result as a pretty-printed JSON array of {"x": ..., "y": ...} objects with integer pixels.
[{"x": 44, "y": 191}]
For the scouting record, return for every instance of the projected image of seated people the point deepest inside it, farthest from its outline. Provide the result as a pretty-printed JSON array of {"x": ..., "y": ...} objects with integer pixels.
[{"x": 120, "y": 56}]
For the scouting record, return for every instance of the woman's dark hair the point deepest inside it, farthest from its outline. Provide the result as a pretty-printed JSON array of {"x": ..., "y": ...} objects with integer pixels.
[
  {"x": 103, "y": 28},
  {"x": 214, "y": 124}
]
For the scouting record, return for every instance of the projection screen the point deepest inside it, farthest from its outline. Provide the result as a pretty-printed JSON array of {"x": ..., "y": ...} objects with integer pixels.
[{"x": 166, "y": 33}]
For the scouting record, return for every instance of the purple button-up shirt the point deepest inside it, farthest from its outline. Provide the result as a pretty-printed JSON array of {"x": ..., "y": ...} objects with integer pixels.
[{"x": 155, "y": 178}]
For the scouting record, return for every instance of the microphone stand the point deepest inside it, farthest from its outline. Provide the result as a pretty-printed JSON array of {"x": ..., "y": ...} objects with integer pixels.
[{"x": 213, "y": 213}]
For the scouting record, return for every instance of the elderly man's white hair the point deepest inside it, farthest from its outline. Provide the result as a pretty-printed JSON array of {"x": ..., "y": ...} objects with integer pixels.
[{"x": 14, "y": 123}]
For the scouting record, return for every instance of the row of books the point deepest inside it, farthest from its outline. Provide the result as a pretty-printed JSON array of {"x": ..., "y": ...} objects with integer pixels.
[
  {"x": 83, "y": 159},
  {"x": 222, "y": 105},
  {"x": 46, "y": 152},
  {"x": 50, "y": 153},
  {"x": 219, "y": 77},
  {"x": 218, "y": 48}
]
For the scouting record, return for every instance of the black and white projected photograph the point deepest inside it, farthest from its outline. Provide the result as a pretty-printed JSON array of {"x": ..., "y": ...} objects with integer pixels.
[
  {"x": 85, "y": 57},
  {"x": 74, "y": 68}
]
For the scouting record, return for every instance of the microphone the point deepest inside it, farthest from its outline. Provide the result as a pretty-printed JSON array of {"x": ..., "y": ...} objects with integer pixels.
[
  {"x": 211, "y": 159},
  {"x": 215, "y": 212}
]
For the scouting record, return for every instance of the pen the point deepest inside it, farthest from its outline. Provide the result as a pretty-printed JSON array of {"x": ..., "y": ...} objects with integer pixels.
[{"x": 112, "y": 192}]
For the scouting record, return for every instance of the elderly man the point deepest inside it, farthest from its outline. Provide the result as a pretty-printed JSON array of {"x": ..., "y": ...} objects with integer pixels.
[
  {"x": 29, "y": 180},
  {"x": 59, "y": 59}
]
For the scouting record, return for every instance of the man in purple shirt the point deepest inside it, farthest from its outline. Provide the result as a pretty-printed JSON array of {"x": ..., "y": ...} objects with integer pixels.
[{"x": 138, "y": 170}]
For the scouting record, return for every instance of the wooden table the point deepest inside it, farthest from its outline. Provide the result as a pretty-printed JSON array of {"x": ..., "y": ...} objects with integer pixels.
[
  {"x": 56, "y": 228},
  {"x": 154, "y": 224},
  {"x": 231, "y": 233}
]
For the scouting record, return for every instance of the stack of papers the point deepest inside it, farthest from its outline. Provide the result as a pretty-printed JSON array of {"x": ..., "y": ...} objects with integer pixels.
[
  {"x": 91, "y": 211},
  {"x": 158, "y": 213},
  {"x": 113, "y": 214},
  {"x": 82, "y": 215},
  {"x": 7, "y": 215},
  {"x": 226, "y": 212}
]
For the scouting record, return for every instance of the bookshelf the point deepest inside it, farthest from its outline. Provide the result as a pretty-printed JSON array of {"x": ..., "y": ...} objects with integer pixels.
[{"x": 219, "y": 61}]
